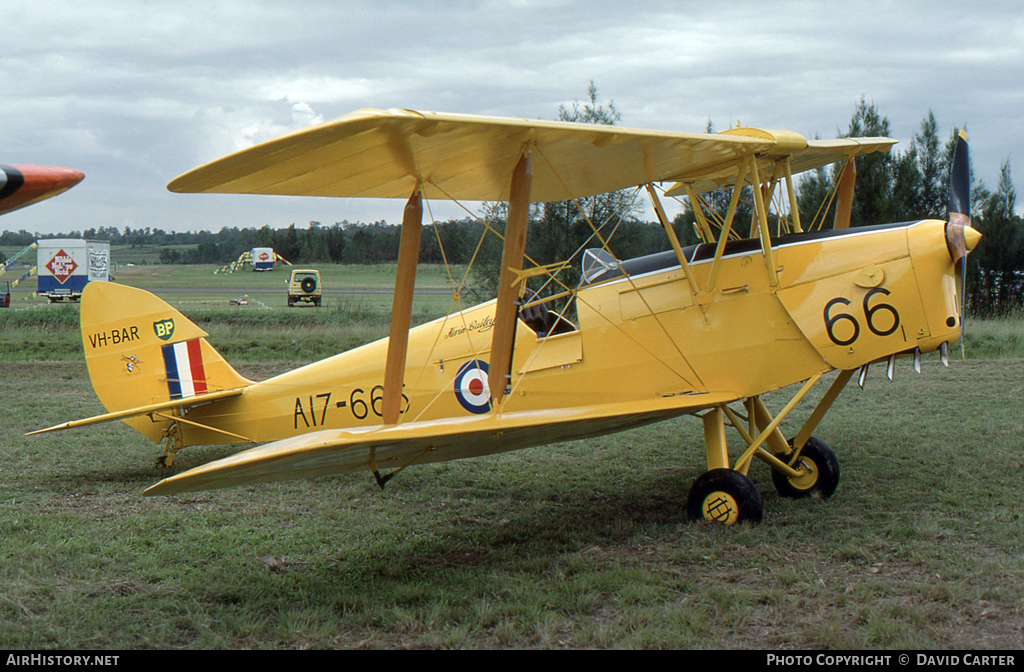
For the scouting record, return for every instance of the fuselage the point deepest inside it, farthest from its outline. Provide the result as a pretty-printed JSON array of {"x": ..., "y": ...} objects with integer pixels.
[{"x": 843, "y": 299}]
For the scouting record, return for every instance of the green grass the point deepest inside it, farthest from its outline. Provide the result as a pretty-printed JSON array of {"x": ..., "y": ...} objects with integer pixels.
[
  {"x": 573, "y": 545},
  {"x": 335, "y": 276},
  {"x": 240, "y": 334},
  {"x": 995, "y": 338},
  {"x": 198, "y": 287}
]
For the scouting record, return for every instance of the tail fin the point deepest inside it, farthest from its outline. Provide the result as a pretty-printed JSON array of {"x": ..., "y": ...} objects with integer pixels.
[{"x": 140, "y": 351}]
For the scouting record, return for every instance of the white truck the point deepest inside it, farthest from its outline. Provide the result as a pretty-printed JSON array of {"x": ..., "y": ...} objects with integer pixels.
[
  {"x": 263, "y": 258},
  {"x": 66, "y": 265}
]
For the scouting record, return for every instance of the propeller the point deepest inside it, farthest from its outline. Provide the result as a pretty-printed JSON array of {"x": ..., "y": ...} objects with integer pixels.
[{"x": 961, "y": 238}]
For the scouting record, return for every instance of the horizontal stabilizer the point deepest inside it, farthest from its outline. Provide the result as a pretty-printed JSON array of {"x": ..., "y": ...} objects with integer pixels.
[
  {"x": 143, "y": 410},
  {"x": 391, "y": 447}
]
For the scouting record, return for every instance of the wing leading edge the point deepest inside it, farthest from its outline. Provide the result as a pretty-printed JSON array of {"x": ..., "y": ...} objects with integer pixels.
[{"x": 386, "y": 153}]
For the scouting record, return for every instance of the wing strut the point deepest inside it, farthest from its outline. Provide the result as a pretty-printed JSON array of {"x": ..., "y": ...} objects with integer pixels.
[
  {"x": 844, "y": 206},
  {"x": 401, "y": 307},
  {"x": 667, "y": 225},
  {"x": 723, "y": 235},
  {"x": 508, "y": 289},
  {"x": 794, "y": 209},
  {"x": 761, "y": 212}
]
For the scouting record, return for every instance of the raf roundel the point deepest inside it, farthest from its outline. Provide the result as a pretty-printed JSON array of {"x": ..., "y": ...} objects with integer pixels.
[{"x": 471, "y": 387}]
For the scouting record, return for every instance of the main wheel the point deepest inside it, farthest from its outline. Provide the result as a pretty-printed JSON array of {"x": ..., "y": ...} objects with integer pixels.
[
  {"x": 822, "y": 475},
  {"x": 724, "y": 496}
]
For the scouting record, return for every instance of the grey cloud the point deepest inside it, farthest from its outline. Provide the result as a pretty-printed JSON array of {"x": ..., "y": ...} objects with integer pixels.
[{"x": 136, "y": 93}]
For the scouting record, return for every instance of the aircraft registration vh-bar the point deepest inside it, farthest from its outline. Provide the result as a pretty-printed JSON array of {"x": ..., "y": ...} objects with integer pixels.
[{"x": 694, "y": 330}]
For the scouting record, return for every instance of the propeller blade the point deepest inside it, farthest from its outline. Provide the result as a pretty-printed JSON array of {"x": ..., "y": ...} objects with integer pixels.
[
  {"x": 961, "y": 238},
  {"x": 959, "y": 203},
  {"x": 960, "y": 181},
  {"x": 890, "y": 368},
  {"x": 944, "y": 353},
  {"x": 917, "y": 360},
  {"x": 863, "y": 376}
]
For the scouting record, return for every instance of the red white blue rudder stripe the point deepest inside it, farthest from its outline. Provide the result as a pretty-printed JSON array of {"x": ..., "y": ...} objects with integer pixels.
[{"x": 186, "y": 376}]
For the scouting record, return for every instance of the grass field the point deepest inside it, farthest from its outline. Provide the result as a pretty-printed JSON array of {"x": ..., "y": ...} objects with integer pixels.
[
  {"x": 356, "y": 309},
  {"x": 198, "y": 286},
  {"x": 574, "y": 545}
]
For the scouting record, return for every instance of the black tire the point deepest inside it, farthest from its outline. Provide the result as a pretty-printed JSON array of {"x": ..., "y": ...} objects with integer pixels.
[
  {"x": 316, "y": 302},
  {"x": 724, "y": 496},
  {"x": 308, "y": 285},
  {"x": 823, "y": 479},
  {"x": 291, "y": 302}
]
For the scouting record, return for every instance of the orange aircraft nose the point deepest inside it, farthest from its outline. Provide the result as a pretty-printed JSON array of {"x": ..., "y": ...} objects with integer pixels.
[{"x": 22, "y": 185}]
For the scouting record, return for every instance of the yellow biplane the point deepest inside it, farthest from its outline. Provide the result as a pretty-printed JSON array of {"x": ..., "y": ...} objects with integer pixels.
[{"x": 703, "y": 330}]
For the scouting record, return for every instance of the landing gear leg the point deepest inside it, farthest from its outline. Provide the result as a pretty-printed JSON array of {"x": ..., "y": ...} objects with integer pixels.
[
  {"x": 805, "y": 465},
  {"x": 802, "y": 467},
  {"x": 172, "y": 442}
]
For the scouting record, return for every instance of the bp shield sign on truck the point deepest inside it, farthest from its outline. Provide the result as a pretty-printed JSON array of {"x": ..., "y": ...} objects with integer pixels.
[{"x": 66, "y": 265}]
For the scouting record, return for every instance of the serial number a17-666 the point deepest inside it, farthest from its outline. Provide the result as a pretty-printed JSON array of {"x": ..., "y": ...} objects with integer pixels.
[{"x": 312, "y": 410}]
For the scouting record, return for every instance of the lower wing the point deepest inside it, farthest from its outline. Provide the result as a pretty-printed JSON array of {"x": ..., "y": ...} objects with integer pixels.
[{"x": 396, "y": 446}]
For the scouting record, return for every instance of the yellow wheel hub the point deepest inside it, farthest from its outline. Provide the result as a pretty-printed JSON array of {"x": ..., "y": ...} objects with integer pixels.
[
  {"x": 807, "y": 480},
  {"x": 721, "y": 507}
]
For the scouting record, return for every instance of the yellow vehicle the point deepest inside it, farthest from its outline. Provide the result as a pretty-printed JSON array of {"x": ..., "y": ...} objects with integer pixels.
[
  {"x": 304, "y": 287},
  {"x": 758, "y": 306}
]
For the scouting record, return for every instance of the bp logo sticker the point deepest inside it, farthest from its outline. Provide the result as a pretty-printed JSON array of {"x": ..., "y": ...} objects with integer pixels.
[
  {"x": 164, "y": 329},
  {"x": 471, "y": 387}
]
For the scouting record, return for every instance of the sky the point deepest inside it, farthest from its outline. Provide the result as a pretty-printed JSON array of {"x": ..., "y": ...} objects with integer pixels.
[{"x": 136, "y": 93}]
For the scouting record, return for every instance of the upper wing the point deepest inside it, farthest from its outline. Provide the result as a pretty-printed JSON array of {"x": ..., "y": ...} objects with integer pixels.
[
  {"x": 337, "y": 451},
  {"x": 385, "y": 153},
  {"x": 804, "y": 155}
]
